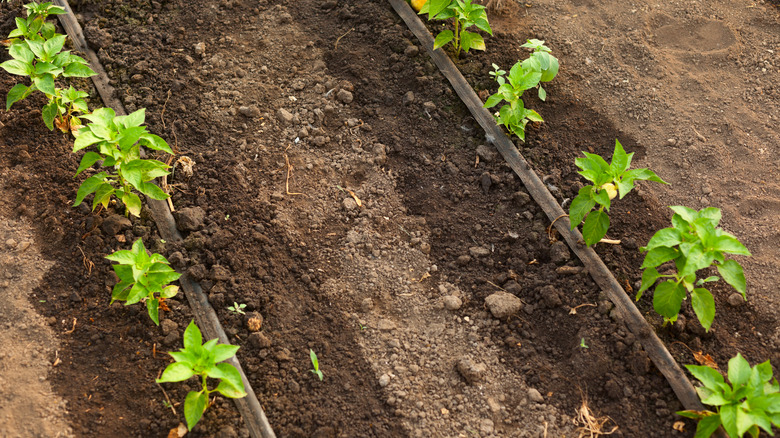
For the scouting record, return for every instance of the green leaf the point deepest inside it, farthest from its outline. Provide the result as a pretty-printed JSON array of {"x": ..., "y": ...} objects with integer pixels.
[
  {"x": 696, "y": 259},
  {"x": 192, "y": 336},
  {"x": 132, "y": 203},
  {"x": 436, "y": 6},
  {"x": 134, "y": 119},
  {"x": 581, "y": 206},
  {"x": 76, "y": 70},
  {"x": 668, "y": 237},
  {"x": 620, "y": 160},
  {"x": 16, "y": 67},
  {"x": 550, "y": 72},
  {"x": 493, "y": 100},
  {"x": 123, "y": 257},
  {"x": 649, "y": 276},
  {"x": 228, "y": 373},
  {"x": 53, "y": 46},
  {"x": 730, "y": 244},
  {"x": 595, "y": 227},
  {"x": 668, "y": 298},
  {"x": 103, "y": 195},
  {"x": 728, "y": 418},
  {"x": 704, "y": 305},
  {"x": 88, "y": 160},
  {"x": 443, "y": 38},
  {"x": 739, "y": 370},
  {"x": 707, "y": 426},
  {"x": 733, "y": 274},
  {"x": 45, "y": 84},
  {"x": 194, "y": 406},
  {"x": 176, "y": 372},
  {"x": 471, "y": 40},
  {"x": 224, "y": 352},
  {"x": 658, "y": 256},
  {"x": 153, "y": 191},
  {"x": 138, "y": 291},
  {"x": 169, "y": 291},
  {"x": 711, "y": 378},
  {"x": 15, "y": 94},
  {"x": 686, "y": 213},
  {"x": 21, "y": 52},
  {"x": 89, "y": 186},
  {"x": 153, "y": 307},
  {"x": 50, "y": 112},
  {"x": 229, "y": 390}
]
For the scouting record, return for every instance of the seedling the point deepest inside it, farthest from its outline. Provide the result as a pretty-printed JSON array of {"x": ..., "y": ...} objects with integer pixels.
[
  {"x": 315, "y": 363},
  {"x": 238, "y": 309},
  {"x": 118, "y": 140},
  {"x": 141, "y": 276},
  {"x": 465, "y": 15},
  {"x": 541, "y": 66},
  {"x": 693, "y": 243},
  {"x": 582, "y": 343},
  {"x": 608, "y": 180},
  {"x": 204, "y": 361},
  {"x": 750, "y": 402}
]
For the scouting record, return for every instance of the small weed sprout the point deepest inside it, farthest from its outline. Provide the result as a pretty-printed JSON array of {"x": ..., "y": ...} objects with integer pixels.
[
  {"x": 466, "y": 15},
  {"x": 238, "y": 309},
  {"x": 315, "y": 363},
  {"x": 582, "y": 343},
  {"x": 203, "y": 360}
]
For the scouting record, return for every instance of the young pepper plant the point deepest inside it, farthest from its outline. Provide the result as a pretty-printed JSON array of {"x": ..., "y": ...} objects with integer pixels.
[
  {"x": 608, "y": 180},
  {"x": 204, "y": 361},
  {"x": 539, "y": 67},
  {"x": 693, "y": 243},
  {"x": 141, "y": 277},
  {"x": 752, "y": 401},
  {"x": 466, "y": 15},
  {"x": 118, "y": 140}
]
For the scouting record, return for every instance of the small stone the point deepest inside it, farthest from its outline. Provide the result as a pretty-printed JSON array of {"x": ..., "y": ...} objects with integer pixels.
[
  {"x": 451, "y": 302},
  {"x": 472, "y": 372},
  {"x": 190, "y": 218},
  {"x": 521, "y": 198},
  {"x": 736, "y": 299},
  {"x": 408, "y": 98},
  {"x": 24, "y": 245},
  {"x": 367, "y": 304},
  {"x": 293, "y": 386},
  {"x": 671, "y": 141},
  {"x": 115, "y": 223},
  {"x": 429, "y": 107},
  {"x": 503, "y": 304},
  {"x": 11, "y": 243},
  {"x": 486, "y": 153},
  {"x": 559, "y": 253},
  {"x": 386, "y": 325},
  {"x": 344, "y": 96},
  {"x": 479, "y": 251},
  {"x": 284, "y": 117},
  {"x": 200, "y": 49},
  {"x": 384, "y": 380},
  {"x": 569, "y": 270},
  {"x": 259, "y": 340},
  {"x": 535, "y": 396},
  {"x": 411, "y": 51},
  {"x": 486, "y": 426},
  {"x": 463, "y": 260},
  {"x": 551, "y": 296},
  {"x": 425, "y": 247},
  {"x": 168, "y": 326},
  {"x": 252, "y": 111},
  {"x": 349, "y": 204}
]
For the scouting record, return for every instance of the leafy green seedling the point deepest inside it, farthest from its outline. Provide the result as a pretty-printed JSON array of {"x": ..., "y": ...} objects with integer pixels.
[
  {"x": 141, "y": 276},
  {"x": 693, "y": 242},
  {"x": 466, "y": 15},
  {"x": 118, "y": 140},
  {"x": 315, "y": 363},
  {"x": 540, "y": 66},
  {"x": 198, "y": 359},
  {"x": 582, "y": 343},
  {"x": 238, "y": 309},
  {"x": 752, "y": 401},
  {"x": 608, "y": 180}
]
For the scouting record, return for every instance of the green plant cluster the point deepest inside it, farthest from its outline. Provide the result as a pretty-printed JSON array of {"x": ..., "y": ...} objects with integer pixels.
[
  {"x": 540, "y": 67},
  {"x": 465, "y": 15},
  {"x": 116, "y": 141},
  {"x": 750, "y": 403}
]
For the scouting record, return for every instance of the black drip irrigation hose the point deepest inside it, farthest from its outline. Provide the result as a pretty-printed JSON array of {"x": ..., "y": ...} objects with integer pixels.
[
  {"x": 249, "y": 407},
  {"x": 634, "y": 320}
]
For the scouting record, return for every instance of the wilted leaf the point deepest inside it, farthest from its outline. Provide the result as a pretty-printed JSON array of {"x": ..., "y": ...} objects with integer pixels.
[{"x": 705, "y": 359}]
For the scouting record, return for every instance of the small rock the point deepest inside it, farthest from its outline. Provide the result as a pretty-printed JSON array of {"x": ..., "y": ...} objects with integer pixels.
[
  {"x": 252, "y": 111},
  {"x": 190, "y": 218},
  {"x": 349, "y": 204},
  {"x": 168, "y": 326},
  {"x": 11, "y": 243},
  {"x": 568, "y": 270},
  {"x": 344, "y": 96},
  {"x": 513, "y": 287},
  {"x": 559, "y": 253},
  {"x": 115, "y": 223},
  {"x": 486, "y": 153},
  {"x": 284, "y": 117},
  {"x": 384, "y": 380},
  {"x": 200, "y": 49},
  {"x": 551, "y": 296},
  {"x": 259, "y": 340},
  {"x": 521, "y": 198},
  {"x": 535, "y": 396},
  {"x": 451, "y": 302},
  {"x": 412, "y": 51},
  {"x": 671, "y": 141},
  {"x": 472, "y": 372},
  {"x": 503, "y": 304},
  {"x": 479, "y": 251},
  {"x": 425, "y": 247},
  {"x": 408, "y": 98},
  {"x": 293, "y": 386},
  {"x": 463, "y": 260},
  {"x": 486, "y": 426},
  {"x": 736, "y": 299},
  {"x": 24, "y": 245},
  {"x": 367, "y": 304},
  {"x": 386, "y": 325}
]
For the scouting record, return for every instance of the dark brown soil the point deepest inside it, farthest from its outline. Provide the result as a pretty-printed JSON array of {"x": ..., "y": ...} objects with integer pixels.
[{"x": 308, "y": 263}]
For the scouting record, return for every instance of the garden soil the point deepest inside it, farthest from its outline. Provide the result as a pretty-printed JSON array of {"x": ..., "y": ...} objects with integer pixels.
[{"x": 343, "y": 193}]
